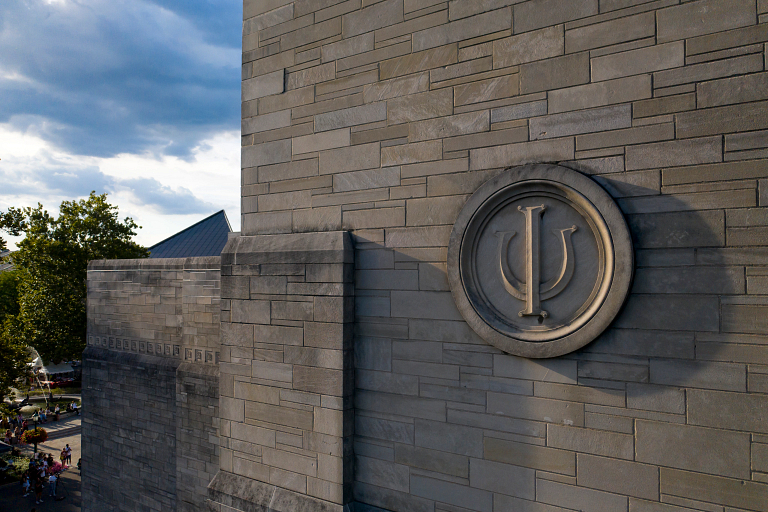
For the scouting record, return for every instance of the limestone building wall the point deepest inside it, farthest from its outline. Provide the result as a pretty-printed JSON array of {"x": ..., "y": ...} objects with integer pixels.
[
  {"x": 382, "y": 117},
  {"x": 150, "y": 384}
]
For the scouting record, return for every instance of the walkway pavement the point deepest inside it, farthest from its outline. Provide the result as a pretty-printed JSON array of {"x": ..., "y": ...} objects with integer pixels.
[{"x": 60, "y": 433}]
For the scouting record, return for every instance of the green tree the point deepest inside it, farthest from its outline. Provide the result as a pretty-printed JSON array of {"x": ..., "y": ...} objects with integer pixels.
[{"x": 52, "y": 263}]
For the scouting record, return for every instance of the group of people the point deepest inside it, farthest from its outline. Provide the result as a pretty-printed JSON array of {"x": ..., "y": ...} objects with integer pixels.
[
  {"x": 14, "y": 427},
  {"x": 43, "y": 469}
]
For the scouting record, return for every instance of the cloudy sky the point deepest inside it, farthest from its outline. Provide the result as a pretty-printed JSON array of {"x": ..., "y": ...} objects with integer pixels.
[{"x": 137, "y": 98}]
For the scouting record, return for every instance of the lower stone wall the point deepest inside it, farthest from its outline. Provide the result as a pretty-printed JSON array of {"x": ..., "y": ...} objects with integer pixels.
[
  {"x": 129, "y": 432},
  {"x": 197, "y": 435},
  {"x": 151, "y": 384}
]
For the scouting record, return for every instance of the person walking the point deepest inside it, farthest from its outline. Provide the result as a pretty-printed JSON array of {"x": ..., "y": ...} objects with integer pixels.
[{"x": 68, "y": 451}]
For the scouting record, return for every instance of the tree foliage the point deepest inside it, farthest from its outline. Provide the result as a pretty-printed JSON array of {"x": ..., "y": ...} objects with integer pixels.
[{"x": 51, "y": 264}]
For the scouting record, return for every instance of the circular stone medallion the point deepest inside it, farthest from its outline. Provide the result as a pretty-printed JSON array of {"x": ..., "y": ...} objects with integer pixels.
[{"x": 552, "y": 227}]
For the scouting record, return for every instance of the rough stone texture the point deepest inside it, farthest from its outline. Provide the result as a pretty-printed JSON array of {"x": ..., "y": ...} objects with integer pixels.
[
  {"x": 663, "y": 101},
  {"x": 151, "y": 384},
  {"x": 286, "y": 373}
]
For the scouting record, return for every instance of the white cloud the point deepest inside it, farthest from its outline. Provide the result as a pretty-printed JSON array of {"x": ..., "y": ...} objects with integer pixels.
[{"x": 163, "y": 194}]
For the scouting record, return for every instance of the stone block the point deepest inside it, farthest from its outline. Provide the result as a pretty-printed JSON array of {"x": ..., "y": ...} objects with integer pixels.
[
  {"x": 420, "y": 106},
  {"x": 727, "y": 91},
  {"x": 265, "y": 154},
  {"x": 317, "y": 219},
  {"x": 636, "y": 62},
  {"x": 393, "y": 500},
  {"x": 699, "y": 374},
  {"x": 583, "y": 121},
  {"x": 266, "y": 122},
  {"x": 269, "y": 370},
  {"x": 279, "y": 415},
  {"x": 467, "y": 28},
  {"x": 519, "y": 111},
  {"x": 347, "y": 47},
  {"x": 424, "y": 304},
  {"x": 579, "y": 498},
  {"x": 595, "y": 442},
  {"x": 310, "y": 76},
  {"x": 730, "y": 39},
  {"x": 528, "y": 47},
  {"x": 486, "y": 90},
  {"x": 369, "y": 113},
  {"x": 690, "y": 280},
  {"x": 419, "y": 61},
  {"x": 231, "y": 409},
  {"x": 378, "y": 15},
  {"x": 727, "y": 119},
  {"x": 610, "y": 32},
  {"x": 315, "y": 32},
  {"x": 376, "y": 218},
  {"x": 362, "y": 180},
  {"x": 450, "y": 126},
  {"x": 382, "y": 473},
  {"x": 498, "y": 477},
  {"x": 354, "y": 158},
  {"x": 522, "y": 153},
  {"x": 401, "y": 405},
  {"x": 396, "y": 87},
  {"x": 720, "y": 409},
  {"x": 387, "y": 279},
  {"x": 683, "y": 229},
  {"x": 550, "y": 370},
  {"x": 554, "y": 73},
  {"x": 610, "y": 92},
  {"x": 385, "y": 381},
  {"x": 618, "y": 476},
  {"x": 323, "y": 381},
  {"x": 433, "y": 277},
  {"x": 411, "y": 153},
  {"x": 674, "y": 312},
  {"x": 454, "y": 494},
  {"x": 708, "y": 71},
  {"x": 250, "y": 311},
  {"x": 264, "y": 85},
  {"x": 714, "y": 489},
  {"x": 543, "y": 13},
  {"x": 430, "y": 168},
  {"x": 626, "y": 137},
  {"x": 321, "y": 141},
  {"x": 664, "y": 105},
  {"x": 462, "y": 69},
  {"x": 538, "y": 409},
  {"x": 377, "y": 428},
  {"x": 432, "y": 460},
  {"x": 573, "y": 393},
  {"x": 703, "y": 450},
  {"x": 530, "y": 456},
  {"x": 445, "y": 437},
  {"x": 656, "y": 398},
  {"x": 434, "y": 210},
  {"x": 704, "y": 17}
]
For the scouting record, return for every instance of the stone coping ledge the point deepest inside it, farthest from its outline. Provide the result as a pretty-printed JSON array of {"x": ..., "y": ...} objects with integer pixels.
[
  {"x": 201, "y": 262},
  {"x": 321, "y": 247}
]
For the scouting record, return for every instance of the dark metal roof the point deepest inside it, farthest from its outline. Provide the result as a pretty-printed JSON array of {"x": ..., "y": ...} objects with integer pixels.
[
  {"x": 206, "y": 238},
  {"x": 5, "y": 264}
]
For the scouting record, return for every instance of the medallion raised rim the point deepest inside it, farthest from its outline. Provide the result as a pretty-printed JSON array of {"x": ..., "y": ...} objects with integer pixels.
[{"x": 611, "y": 296}]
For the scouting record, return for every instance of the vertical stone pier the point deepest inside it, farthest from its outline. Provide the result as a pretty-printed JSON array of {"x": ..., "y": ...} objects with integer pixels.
[{"x": 286, "y": 374}]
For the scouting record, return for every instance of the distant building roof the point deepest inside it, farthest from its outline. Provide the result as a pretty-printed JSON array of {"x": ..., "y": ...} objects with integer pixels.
[
  {"x": 5, "y": 265},
  {"x": 205, "y": 238}
]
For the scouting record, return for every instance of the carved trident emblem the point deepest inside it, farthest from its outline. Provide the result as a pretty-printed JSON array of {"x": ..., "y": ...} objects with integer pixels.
[{"x": 531, "y": 291}]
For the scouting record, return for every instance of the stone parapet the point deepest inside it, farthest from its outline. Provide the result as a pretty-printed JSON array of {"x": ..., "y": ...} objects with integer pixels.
[{"x": 286, "y": 374}]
